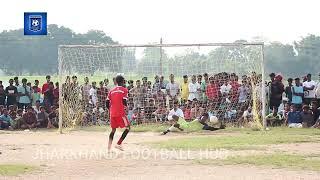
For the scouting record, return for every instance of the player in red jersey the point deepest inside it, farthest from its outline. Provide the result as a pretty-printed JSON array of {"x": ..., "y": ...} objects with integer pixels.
[{"x": 116, "y": 103}]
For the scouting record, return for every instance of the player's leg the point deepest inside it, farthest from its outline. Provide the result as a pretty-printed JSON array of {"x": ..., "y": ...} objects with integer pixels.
[
  {"x": 171, "y": 128},
  {"x": 121, "y": 139},
  {"x": 111, "y": 135},
  {"x": 124, "y": 123}
]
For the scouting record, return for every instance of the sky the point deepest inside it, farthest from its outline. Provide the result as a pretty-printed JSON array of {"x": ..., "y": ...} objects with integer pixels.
[{"x": 176, "y": 21}]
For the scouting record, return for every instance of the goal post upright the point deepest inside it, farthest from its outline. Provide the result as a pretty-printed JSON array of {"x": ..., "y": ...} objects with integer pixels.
[{"x": 60, "y": 89}]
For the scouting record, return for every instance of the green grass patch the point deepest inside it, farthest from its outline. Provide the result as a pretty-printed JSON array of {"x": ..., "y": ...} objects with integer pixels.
[
  {"x": 134, "y": 128},
  {"x": 242, "y": 140},
  {"x": 14, "y": 169},
  {"x": 277, "y": 160}
]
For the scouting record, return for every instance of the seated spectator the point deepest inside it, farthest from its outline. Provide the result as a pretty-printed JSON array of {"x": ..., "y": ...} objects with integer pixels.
[
  {"x": 175, "y": 111},
  {"x": 247, "y": 116},
  {"x": 294, "y": 118},
  {"x": 274, "y": 118},
  {"x": 315, "y": 110},
  {"x": 5, "y": 120},
  {"x": 149, "y": 109},
  {"x": 307, "y": 117},
  {"x": 197, "y": 110},
  {"x": 160, "y": 113},
  {"x": 138, "y": 116},
  {"x": 37, "y": 107},
  {"x": 29, "y": 119},
  {"x": 53, "y": 118},
  {"x": 17, "y": 121},
  {"x": 12, "y": 111},
  {"x": 187, "y": 111},
  {"x": 285, "y": 112},
  {"x": 42, "y": 118}
]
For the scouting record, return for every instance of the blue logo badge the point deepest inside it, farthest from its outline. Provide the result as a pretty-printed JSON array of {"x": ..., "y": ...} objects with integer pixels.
[{"x": 35, "y": 23}]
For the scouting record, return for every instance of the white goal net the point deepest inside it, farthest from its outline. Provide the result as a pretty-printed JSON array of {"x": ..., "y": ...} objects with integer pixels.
[{"x": 224, "y": 80}]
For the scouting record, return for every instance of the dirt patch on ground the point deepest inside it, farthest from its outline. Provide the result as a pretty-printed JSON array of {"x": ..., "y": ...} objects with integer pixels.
[{"x": 83, "y": 155}]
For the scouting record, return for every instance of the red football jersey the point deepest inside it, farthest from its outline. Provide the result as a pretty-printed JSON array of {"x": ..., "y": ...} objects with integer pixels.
[{"x": 116, "y": 96}]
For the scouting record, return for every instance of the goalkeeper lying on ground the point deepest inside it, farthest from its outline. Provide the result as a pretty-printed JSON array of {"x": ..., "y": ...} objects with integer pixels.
[{"x": 195, "y": 125}]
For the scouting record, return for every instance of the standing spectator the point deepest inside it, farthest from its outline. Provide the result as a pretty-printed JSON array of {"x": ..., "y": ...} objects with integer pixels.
[
  {"x": 234, "y": 88},
  {"x": 277, "y": 89},
  {"x": 294, "y": 117},
  {"x": 225, "y": 88},
  {"x": 307, "y": 117},
  {"x": 45, "y": 86},
  {"x": 199, "y": 81},
  {"x": 24, "y": 92},
  {"x": 106, "y": 83},
  {"x": 85, "y": 88},
  {"x": 156, "y": 86},
  {"x": 163, "y": 83},
  {"x": 204, "y": 85},
  {"x": 173, "y": 89},
  {"x": 137, "y": 93},
  {"x": 297, "y": 94},
  {"x": 102, "y": 93},
  {"x": 318, "y": 91},
  {"x": 29, "y": 119},
  {"x": 244, "y": 92},
  {"x": 12, "y": 93},
  {"x": 16, "y": 81},
  {"x": 93, "y": 95},
  {"x": 288, "y": 90},
  {"x": 56, "y": 94},
  {"x": 309, "y": 87},
  {"x": 2, "y": 96},
  {"x": 36, "y": 84},
  {"x": 35, "y": 95},
  {"x": 48, "y": 96},
  {"x": 194, "y": 88},
  {"x": 130, "y": 85},
  {"x": 185, "y": 89},
  {"x": 212, "y": 90}
]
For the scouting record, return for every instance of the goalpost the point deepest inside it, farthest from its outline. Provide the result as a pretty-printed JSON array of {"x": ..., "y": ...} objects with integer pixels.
[{"x": 230, "y": 63}]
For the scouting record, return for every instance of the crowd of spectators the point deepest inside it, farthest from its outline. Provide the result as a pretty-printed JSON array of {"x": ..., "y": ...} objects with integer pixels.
[{"x": 227, "y": 96}]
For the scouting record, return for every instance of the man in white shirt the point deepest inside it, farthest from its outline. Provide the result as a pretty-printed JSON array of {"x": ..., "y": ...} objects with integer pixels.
[
  {"x": 93, "y": 95},
  {"x": 175, "y": 111},
  {"x": 318, "y": 90},
  {"x": 225, "y": 88},
  {"x": 309, "y": 88},
  {"x": 194, "y": 88},
  {"x": 172, "y": 87},
  {"x": 173, "y": 117}
]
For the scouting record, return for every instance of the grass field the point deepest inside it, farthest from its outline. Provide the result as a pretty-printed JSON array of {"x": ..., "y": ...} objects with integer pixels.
[
  {"x": 14, "y": 169},
  {"x": 276, "y": 160},
  {"x": 241, "y": 139},
  {"x": 287, "y": 153}
]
